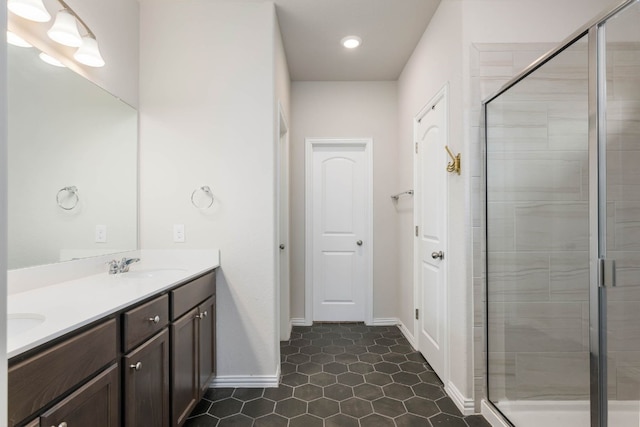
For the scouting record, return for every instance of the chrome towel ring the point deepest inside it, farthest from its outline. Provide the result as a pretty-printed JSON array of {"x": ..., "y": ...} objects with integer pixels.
[
  {"x": 69, "y": 194},
  {"x": 207, "y": 196}
]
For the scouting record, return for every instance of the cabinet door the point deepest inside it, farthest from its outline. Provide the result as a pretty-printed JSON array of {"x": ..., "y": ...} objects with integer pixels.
[
  {"x": 146, "y": 383},
  {"x": 184, "y": 367},
  {"x": 95, "y": 404},
  {"x": 207, "y": 350}
]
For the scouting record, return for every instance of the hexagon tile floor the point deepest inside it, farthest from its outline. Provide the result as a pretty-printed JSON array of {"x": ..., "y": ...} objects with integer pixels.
[{"x": 340, "y": 375}]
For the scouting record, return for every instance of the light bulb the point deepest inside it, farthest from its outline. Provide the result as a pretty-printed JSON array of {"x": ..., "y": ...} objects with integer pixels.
[
  {"x": 50, "y": 60},
  {"x": 65, "y": 30},
  {"x": 33, "y": 10},
  {"x": 16, "y": 40},
  {"x": 88, "y": 53}
]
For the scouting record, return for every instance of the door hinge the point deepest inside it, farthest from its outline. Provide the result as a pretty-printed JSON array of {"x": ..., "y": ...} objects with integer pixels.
[
  {"x": 416, "y": 231},
  {"x": 417, "y": 313},
  {"x": 416, "y": 148},
  {"x": 607, "y": 273}
]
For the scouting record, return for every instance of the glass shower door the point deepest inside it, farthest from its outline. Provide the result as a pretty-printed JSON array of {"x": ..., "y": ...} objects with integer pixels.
[{"x": 622, "y": 223}]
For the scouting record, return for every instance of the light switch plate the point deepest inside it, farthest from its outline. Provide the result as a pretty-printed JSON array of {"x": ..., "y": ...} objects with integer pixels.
[{"x": 178, "y": 233}]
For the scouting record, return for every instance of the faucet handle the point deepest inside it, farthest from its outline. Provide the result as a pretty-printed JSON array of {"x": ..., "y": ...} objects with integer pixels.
[{"x": 113, "y": 266}]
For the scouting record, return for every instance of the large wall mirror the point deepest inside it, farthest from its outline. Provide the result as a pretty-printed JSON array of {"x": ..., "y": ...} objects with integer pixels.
[{"x": 72, "y": 165}]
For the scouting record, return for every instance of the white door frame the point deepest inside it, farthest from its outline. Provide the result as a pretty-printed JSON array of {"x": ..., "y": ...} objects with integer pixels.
[
  {"x": 418, "y": 194},
  {"x": 283, "y": 295},
  {"x": 310, "y": 143}
]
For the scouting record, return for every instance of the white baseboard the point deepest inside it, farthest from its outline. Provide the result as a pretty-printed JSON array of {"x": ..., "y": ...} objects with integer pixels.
[
  {"x": 466, "y": 405},
  {"x": 492, "y": 416},
  {"x": 300, "y": 321},
  {"x": 382, "y": 321},
  {"x": 246, "y": 381},
  {"x": 408, "y": 335}
]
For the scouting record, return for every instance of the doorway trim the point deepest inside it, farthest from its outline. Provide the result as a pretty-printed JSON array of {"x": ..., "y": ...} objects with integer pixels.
[
  {"x": 310, "y": 143},
  {"x": 443, "y": 93},
  {"x": 282, "y": 139}
]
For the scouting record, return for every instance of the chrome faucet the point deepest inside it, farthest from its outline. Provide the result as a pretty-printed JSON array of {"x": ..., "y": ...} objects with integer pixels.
[
  {"x": 116, "y": 267},
  {"x": 125, "y": 263}
]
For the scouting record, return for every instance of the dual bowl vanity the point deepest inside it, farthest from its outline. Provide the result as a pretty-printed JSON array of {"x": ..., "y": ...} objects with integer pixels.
[{"x": 130, "y": 349}]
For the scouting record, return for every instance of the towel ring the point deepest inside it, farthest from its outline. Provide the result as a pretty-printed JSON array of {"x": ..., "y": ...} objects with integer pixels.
[
  {"x": 208, "y": 193},
  {"x": 70, "y": 192}
]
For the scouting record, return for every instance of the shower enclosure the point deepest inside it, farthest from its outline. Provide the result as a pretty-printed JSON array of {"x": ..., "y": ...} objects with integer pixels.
[{"x": 563, "y": 232}]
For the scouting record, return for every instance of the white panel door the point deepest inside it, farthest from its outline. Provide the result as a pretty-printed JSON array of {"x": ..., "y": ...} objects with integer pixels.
[
  {"x": 340, "y": 216},
  {"x": 430, "y": 214}
]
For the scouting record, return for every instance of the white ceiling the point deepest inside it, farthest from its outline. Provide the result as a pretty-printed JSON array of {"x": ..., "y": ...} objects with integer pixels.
[{"x": 312, "y": 30}]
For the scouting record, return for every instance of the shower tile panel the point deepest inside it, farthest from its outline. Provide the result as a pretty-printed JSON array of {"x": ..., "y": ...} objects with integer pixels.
[
  {"x": 501, "y": 226},
  {"x": 552, "y": 376},
  {"x": 499, "y": 63},
  {"x": 628, "y": 383},
  {"x": 569, "y": 276},
  {"x": 518, "y": 276},
  {"x": 502, "y": 375},
  {"x": 536, "y": 327},
  {"x": 552, "y": 227},
  {"x": 623, "y": 326},
  {"x": 627, "y": 226},
  {"x": 536, "y": 179}
]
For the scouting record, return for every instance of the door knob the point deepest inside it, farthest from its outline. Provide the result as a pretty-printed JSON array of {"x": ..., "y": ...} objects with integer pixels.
[
  {"x": 359, "y": 243},
  {"x": 281, "y": 246},
  {"x": 436, "y": 255}
]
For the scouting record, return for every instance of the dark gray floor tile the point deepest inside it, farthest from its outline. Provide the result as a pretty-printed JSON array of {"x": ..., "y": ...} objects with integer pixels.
[
  {"x": 428, "y": 391},
  {"x": 361, "y": 367},
  {"x": 295, "y": 379},
  {"x": 446, "y": 420},
  {"x": 291, "y": 407},
  {"x": 214, "y": 394},
  {"x": 412, "y": 420},
  {"x": 476, "y": 421},
  {"x": 356, "y": 407},
  {"x": 397, "y": 391},
  {"x": 341, "y": 420},
  {"x": 237, "y": 420},
  {"x": 322, "y": 379},
  {"x": 247, "y": 393},
  {"x": 306, "y": 420},
  {"x": 226, "y": 407},
  {"x": 271, "y": 420},
  {"x": 279, "y": 393},
  {"x": 323, "y": 407},
  {"x": 338, "y": 392},
  {"x": 389, "y": 407},
  {"x": 201, "y": 421},
  {"x": 258, "y": 407},
  {"x": 368, "y": 391},
  {"x": 447, "y": 406},
  {"x": 349, "y": 378},
  {"x": 307, "y": 392},
  {"x": 421, "y": 406},
  {"x": 376, "y": 420}
]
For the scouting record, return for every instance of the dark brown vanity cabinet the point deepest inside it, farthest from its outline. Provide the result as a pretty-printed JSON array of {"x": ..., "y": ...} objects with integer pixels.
[
  {"x": 192, "y": 345},
  {"x": 147, "y": 365},
  {"x": 36, "y": 382}
]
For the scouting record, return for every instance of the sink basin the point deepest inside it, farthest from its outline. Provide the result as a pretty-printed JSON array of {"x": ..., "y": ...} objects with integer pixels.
[
  {"x": 154, "y": 273},
  {"x": 18, "y": 323}
]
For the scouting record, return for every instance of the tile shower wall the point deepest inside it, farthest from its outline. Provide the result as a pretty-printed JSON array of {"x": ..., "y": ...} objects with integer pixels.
[{"x": 539, "y": 314}]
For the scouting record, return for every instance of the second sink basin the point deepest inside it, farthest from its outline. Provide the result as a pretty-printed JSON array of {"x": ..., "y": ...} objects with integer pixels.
[
  {"x": 154, "y": 273},
  {"x": 18, "y": 323}
]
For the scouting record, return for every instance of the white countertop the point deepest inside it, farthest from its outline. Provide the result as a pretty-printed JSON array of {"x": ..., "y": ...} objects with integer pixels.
[{"x": 71, "y": 304}]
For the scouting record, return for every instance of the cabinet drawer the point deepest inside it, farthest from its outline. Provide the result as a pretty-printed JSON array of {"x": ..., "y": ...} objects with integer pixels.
[
  {"x": 35, "y": 382},
  {"x": 193, "y": 293},
  {"x": 95, "y": 404},
  {"x": 144, "y": 321}
]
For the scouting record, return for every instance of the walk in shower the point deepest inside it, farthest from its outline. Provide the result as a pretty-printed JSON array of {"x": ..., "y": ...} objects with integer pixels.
[{"x": 563, "y": 233}]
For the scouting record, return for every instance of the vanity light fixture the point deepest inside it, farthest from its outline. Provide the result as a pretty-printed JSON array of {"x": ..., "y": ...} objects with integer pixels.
[
  {"x": 51, "y": 60},
  {"x": 351, "y": 42},
  {"x": 16, "y": 40},
  {"x": 33, "y": 10},
  {"x": 64, "y": 29}
]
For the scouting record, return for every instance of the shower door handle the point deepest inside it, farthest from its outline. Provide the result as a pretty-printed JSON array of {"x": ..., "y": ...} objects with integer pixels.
[{"x": 607, "y": 273}]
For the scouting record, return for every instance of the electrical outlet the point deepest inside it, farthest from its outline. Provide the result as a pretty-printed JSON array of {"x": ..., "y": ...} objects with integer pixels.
[
  {"x": 178, "y": 233},
  {"x": 101, "y": 234}
]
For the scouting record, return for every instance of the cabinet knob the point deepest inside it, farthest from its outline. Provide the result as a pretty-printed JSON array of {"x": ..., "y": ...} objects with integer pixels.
[
  {"x": 205, "y": 314},
  {"x": 62, "y": 424},
  {"x": 137, "y": 366},
  {"x": 155, "y": 319},
  {"x": 201, "y": 315}
]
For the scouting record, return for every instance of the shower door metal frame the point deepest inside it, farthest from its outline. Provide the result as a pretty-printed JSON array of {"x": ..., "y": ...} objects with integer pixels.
[{"x": 595, "y": 32}]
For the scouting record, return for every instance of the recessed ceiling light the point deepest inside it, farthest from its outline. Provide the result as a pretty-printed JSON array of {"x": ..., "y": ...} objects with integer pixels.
[
  {"x": 16, "y": 40},
  {"x": 351, "y": 42}
]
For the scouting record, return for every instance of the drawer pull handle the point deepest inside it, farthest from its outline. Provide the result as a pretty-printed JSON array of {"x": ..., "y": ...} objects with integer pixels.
[
  {"x": 155, "y": 319},
  {"x": 137, "y": 366}
]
